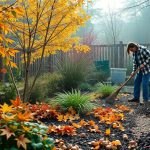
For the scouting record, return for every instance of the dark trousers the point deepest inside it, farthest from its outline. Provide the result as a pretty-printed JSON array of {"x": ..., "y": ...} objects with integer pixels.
[{"x": 144, "y": 80}]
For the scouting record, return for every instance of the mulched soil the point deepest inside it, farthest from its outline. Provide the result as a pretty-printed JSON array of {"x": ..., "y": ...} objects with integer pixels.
[{"x": 136, "y": 130}]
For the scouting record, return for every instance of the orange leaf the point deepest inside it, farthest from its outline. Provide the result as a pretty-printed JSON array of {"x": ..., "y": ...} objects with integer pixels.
[
  {"x": 18, "y": 10},
  {"x": 3, "y": 70},
  {"x": 13, "y": 65},
  {"x": 24, "y": 117},
  {"x": 22, "y": 141},
  {"x": 91, "y": 123},
  {"x": 69, "y": 130},
  {"x": 16, "y": 102},
  {"x": 82, "y": 123},
  {"x": 51, "y": 129},
  {"x": 72, "y": 111}
]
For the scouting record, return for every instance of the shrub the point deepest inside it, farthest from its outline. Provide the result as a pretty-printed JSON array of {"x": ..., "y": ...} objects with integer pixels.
[
  {"x": 38, "y": 93},
  {"x": 16, "y": 73},
  {"x": 18, "y": 132},
  {"x": 54, "y": 83},
  {"x": 73, "y": 72},
  {"x": 85, "y": 87},
  {"x": 7, "y": 92},
  {"x": 105, "y": 90},
  {"x": 80, "y": 103},
  {"x": 95, "y": 76}
]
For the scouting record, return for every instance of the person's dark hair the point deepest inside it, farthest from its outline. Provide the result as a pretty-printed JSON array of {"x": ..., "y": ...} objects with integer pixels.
[{"x": 131, "y": 45}]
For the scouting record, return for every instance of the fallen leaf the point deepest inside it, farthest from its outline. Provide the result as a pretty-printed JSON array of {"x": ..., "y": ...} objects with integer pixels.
[
  {"x": 7, "y": 132},
  {"x": 5, "y": 108},
  {"x": 22, "y": 141},
  {"x": 107, "y": 132}
]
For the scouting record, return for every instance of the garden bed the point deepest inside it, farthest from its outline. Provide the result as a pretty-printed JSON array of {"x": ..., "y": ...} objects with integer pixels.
[{"x": 93, "y": 135}]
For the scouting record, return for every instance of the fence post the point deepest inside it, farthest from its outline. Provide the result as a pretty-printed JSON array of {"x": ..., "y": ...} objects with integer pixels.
[{"x": 121, "y": 57}]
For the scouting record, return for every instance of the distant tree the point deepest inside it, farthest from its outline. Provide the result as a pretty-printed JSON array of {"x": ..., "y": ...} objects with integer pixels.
[
  {"x": 89, "y": 36},
  {"x": 136, "y": 26},
  {"x": 112, "y": 25}
]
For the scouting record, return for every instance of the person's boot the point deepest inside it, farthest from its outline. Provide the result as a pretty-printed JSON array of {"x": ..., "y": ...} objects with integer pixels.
[{"x": 134, "y": 100}]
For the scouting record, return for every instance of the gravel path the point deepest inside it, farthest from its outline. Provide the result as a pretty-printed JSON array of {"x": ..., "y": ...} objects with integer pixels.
[{"x": 141, "y": 118}]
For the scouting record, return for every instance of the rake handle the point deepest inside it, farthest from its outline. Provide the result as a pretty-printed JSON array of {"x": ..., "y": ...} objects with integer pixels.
[{"x": 131, "y": 76}]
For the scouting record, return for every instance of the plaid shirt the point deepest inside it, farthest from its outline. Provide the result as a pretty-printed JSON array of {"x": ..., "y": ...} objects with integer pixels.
[{"x": 143, "y": 57}]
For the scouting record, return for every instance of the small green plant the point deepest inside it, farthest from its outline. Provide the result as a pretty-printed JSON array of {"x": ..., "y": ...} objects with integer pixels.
[
  {"x": 105, "y": 90},
  {"x": 79, "y": 102},
  {"x": 54, "y": 83}
]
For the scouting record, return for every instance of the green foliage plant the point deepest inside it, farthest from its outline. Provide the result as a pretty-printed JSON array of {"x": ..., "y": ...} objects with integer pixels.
[
  {"x": 19, "y": 132},
  {"x": 104, "y": 89},
  {"x": 74, "y": 71},
  {"x": 7, "y": 92},
  {"x": 85, "y": 86},
  {"x": 79, "y": 102},
  {"x": 54, "y": 83}
]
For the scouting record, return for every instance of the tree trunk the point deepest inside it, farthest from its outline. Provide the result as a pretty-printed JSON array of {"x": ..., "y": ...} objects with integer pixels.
[{"x": 1, "y": 66}]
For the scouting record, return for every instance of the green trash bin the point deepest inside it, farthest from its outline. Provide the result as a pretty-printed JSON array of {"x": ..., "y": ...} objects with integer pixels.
[{"x": 102, "y": 65}]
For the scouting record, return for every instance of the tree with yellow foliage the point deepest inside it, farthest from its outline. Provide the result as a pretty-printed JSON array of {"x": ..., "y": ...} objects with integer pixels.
[
  {"x": 43, "y": 27},
  {"x": 7, "y": 12}
]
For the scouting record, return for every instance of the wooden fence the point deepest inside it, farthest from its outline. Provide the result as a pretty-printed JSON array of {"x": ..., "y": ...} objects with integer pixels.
[{"x": 116, "y": 54}]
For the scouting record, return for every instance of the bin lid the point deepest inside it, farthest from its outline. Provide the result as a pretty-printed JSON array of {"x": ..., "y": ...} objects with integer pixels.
[{"x": 123, "y": 69}]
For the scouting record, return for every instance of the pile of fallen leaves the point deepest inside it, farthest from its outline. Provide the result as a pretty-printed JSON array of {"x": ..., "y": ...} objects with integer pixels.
[
  {"x": 18, "y": 129},
  {"x": 70, "y": 122}
]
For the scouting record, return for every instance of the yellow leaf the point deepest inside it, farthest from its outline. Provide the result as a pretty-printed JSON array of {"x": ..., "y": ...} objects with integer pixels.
[
  {"x": 13, "y": 65},
  {"x": 9, "y": 40},
  {"x": 5, "y": 108},
  {"x": 66, "y": 117},
  {"x": 60, "y": 117},
  {"x": 8, "y": 117},
  {"x": 116, "y": 143},
  {"x": 107, "y": 132},
  {"x": 27, "y": 129},
  {"x": 76, "y": 125}
]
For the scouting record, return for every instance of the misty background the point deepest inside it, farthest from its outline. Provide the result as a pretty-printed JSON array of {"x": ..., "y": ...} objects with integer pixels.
[{"x": 117, "y": 20}]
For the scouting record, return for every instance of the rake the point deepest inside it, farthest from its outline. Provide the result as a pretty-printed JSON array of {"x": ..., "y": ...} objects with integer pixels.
[{"x": 111, "y": 99}]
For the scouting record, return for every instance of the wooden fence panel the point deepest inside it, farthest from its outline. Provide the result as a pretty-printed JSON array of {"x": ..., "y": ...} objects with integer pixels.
[{"x": 116, "y": 54}]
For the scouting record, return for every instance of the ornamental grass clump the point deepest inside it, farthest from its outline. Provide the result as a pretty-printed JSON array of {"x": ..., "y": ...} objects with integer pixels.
[
  {"x": 105, "y": 90},
  {"x": 79, "y": 102}
]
